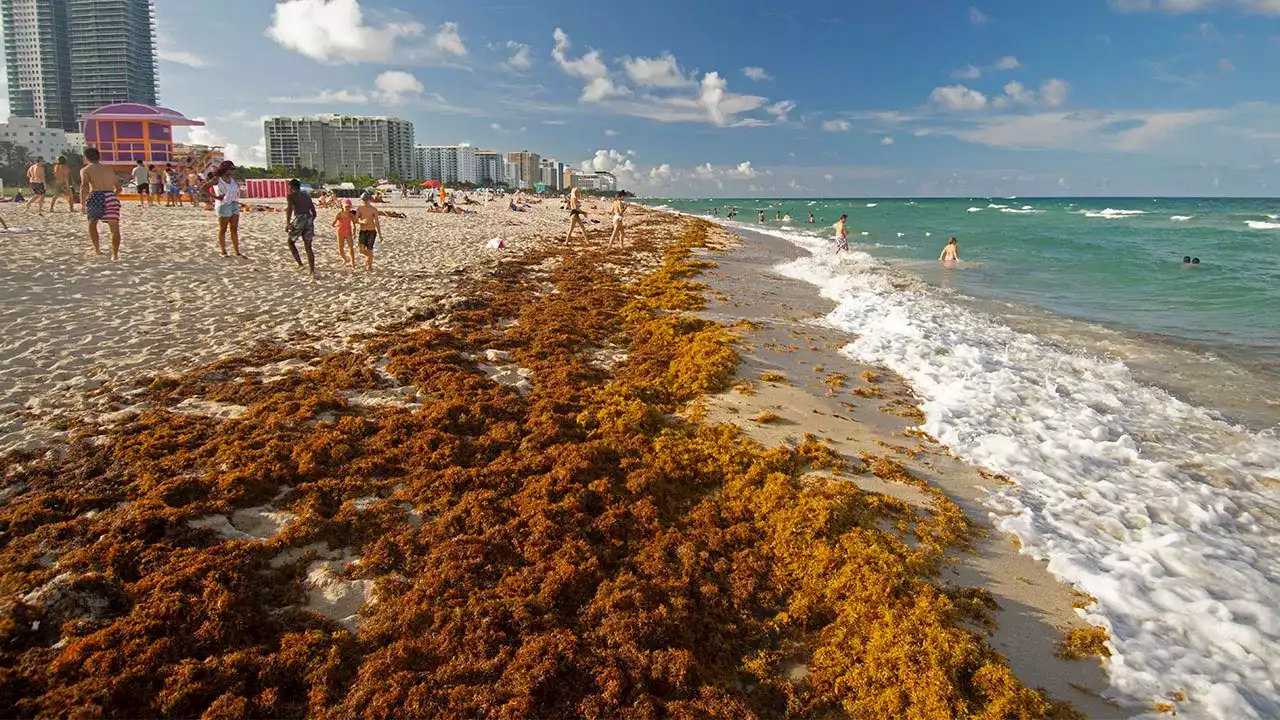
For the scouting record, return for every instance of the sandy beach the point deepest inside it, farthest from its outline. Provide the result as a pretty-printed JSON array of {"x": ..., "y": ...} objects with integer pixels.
[
  {"x": 71, "y": 322},
  {"x": 554, "y": 482}
]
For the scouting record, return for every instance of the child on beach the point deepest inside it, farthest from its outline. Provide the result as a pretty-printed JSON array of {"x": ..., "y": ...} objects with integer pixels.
[
  {"x": 99, "y": 188},
  {"x": 346, "y": 237},
  {"x": 300, "y": 222},
  {"x": 370, "y": 228},
  {"x": 842, "y": 234}
]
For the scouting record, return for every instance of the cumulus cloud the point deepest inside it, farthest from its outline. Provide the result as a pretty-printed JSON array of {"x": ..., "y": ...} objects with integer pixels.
[
  {"x": 325, "y": 97},
  {"x": 957, "y": 97},
  {"x": 781, "y": 109},
  {"x": 755, "y": 73},
  {"x": 744, "y": 171},
  {"x": 705, "y": 171},
  {"x": 660, "y": 175},
  {"x": 837, "y": 126},
  {"x": 520, "y": 58},
  {"x": 1257, "y": 7},
  {"x": 395, "y": 86},
  {"x": 335, "y": 31},
  {"x": 712, "y": 95},
  {"x": 448, "y": 41},
  {"x": 828, "y": 177},
  {"x": 886, "y": 140},
  {"x": 1053, "y": 93},
  {"x": 976, "y": 17},
  {"x": 1008, "y": 62},
  {"x": 254, "y": 155},
  {"x": 661, "y": 72},
  {"x": 599, "y": 86},
  {"x": 612, "y": 161}
]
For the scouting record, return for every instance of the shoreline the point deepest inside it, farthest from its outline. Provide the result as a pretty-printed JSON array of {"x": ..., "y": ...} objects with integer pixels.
[{"x": 254, "y": 465}]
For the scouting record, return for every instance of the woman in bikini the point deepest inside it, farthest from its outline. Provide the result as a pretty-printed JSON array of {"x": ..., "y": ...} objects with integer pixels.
[
  {"x": 950, "y": 256},
  {"x": 619, "y": 229}
]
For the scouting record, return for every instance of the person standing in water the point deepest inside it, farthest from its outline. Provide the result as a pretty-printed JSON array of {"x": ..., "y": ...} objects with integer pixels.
[
  {"x": 226, "y": 205},
  {"x": 842, "y": 234},
  {"x": 99, "y": 188},
  {"x": 576, "y": 214},
  {"x": 619, "y": 229},
  {"x": 346, "y": 235},
  {"x": 810, "y": 218},
  {"x": 300, "y": 222},
  {"x": 761, "y": 215},
  {"x": 370, "y": 228},
  {"x": 950, "y": 256}
]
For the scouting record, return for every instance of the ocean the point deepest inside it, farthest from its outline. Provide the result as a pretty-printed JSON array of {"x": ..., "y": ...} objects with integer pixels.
[{"x": 1134, "y": 400}]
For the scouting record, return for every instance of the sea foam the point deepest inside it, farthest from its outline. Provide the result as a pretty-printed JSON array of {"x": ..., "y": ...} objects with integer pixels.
[
  {"x": 1260, "y": 225},
  {"x": 1181, "y": 218},
  {"x": 1155, "y": 507},
  {"x": 1113, "y": 214}
]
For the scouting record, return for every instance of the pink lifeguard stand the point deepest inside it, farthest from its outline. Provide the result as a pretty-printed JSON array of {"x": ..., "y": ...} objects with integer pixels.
[{"x": 127, "y": 132}]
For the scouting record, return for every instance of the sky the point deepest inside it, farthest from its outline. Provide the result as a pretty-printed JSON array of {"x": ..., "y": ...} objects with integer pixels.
[{"x": 733, "y": 98}]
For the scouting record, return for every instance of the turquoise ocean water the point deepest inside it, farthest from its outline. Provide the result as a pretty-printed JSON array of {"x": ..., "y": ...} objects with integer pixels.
[
  {"x": 1133, "y": 401},
  {"x": 1113, "y": 265}
]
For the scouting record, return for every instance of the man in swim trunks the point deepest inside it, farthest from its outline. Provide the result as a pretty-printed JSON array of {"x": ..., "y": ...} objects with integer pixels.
[
  {"x": 98, "y": 196},
  {"x": 370, "y": 228},
  {"x": 842, "y": 234},
  {"x": 35, "y": 178},
  {"x": 61, "y": 185},
  {"x": 300, "y": 221},
  {"x": 142, "y": 178}
]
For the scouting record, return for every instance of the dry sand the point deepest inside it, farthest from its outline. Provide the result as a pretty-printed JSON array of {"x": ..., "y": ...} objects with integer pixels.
[{"x": 71, "y": 322}]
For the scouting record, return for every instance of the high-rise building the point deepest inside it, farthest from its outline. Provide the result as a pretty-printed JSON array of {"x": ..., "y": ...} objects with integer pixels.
[
  {"x": 38, "y": 61},
  {"x": 338, "y": 145},
  {"x": 67, "y": 58},
  {"x": 447, "y": 163},
  {"x": 528, "y": 163},
  {"x": 489, "y": 167}
]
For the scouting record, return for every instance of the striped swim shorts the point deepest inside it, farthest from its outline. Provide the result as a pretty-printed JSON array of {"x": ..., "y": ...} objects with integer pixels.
[{"x": 102, "y": 205}]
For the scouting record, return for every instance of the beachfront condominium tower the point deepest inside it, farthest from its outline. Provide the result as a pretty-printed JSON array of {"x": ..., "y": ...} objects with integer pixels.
[
  {"x": 530, "y": 166},
  {"x": 66, "y": 58},
  {"x": 447, "y": 164},
  {"x": 338, "y": 145}
]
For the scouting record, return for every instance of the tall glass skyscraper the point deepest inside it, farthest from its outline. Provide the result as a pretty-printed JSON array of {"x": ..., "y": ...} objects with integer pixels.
[{"x": 66, "y": 58}]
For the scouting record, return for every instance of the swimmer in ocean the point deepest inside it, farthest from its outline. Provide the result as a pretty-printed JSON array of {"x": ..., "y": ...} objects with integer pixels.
[
  {"x": 950, "y": 256},
  {"x": 1186, "y": 259},
  {"x": 810, "y": 218},
  {"x": 761, "y": 215},
  {"x": 1195, "y": 261},
  {"x": 786, "y": 218}
]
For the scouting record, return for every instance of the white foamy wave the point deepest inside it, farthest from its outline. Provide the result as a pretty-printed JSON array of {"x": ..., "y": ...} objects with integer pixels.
[
  {"x": 1028, "y": 210},
  {"x": 1273, "y": 217},
  {"x": 995, "y": 206},
  {"x": 1181, "y": 218},
  {"x": 872, "y": 204},
  {"x": 1259, "y": 225},
  {"x": 975, "y": 209},
  {"x": 1153, "y": 506},
  {"x": 1111, "y": 214}
]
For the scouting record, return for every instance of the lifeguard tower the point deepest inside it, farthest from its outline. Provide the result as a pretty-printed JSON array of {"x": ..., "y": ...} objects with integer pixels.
[{"x": 127, "y": 132}]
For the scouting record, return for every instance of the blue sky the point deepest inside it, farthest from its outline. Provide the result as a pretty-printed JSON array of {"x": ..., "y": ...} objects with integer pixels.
[{"x": 730, "y": 97}]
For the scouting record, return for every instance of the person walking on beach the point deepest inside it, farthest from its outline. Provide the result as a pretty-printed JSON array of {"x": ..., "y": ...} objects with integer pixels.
[
  {"x": 950, "y": 256},
  {"x": 619, "y": 229},
  {"x": 141, "y": 181},
  {"x": 99, "y": 188},
  {"x": 226, "y": 204},
  {"x": 842, "y": 234},
  {"x": 370, "y": 228},
  {"x": 346, "y": 235},
  {"x": 170, "y": 186},
  {"x": 575, "y": 215},
  {"x": 35, "y": 178},
  {"x": 300, "y": 222},
  {"x": 61, "y": 185}
]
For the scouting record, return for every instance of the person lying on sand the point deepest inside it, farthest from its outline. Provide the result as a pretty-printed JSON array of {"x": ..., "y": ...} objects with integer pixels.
[
  {"x": 370, "y": 228},
  {"x": 99, "y": 189}
]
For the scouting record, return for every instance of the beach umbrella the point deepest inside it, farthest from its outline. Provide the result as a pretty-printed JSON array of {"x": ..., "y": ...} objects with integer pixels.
[{"x": 431, "y": 183}]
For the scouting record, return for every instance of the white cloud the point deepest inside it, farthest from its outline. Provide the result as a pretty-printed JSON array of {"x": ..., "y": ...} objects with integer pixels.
[
  {"x": 555, "y": 122},
  {"x": 706, "y": 171},
  {"x": 1090, "y": 131},
  {"x": 711, "y": 95},
  {"x": 744, "y": 171},
  {"x": 976, "y": 17},
  {"x": 780, "y": 109},
  {"x": 886, "y": 140},
  {"x": 448, "y": 41},
  {"x": 958, "y": 97},
  {"x": 325, "y": 97},
  {"x": 1226, "y": 66},
  {"x": 497, "y": 127},
  {"x": 589, "y": 67},
  {"x": 660, "y": 175},
  {"x": 1054, "y": 92},
  {"x": 610, "y": 133},
  {"x": 661, "y": 72},
  {"x": 180, "y": 57},
  {"x": 828, "y": 177},
  {"x": 335, "y": 31},
  {"x": 520, "y": 59},
  {"x": 837, "y": 126},
  {"x": 756, "y": 73},
  {"x": 1008, "y": 62},
  {"x": 968, "y": 72},
  {"x": 252, "y": 155},
  {"x": 395, "y": 86},
  {"x": 1257, "y": 7},
  {"x": 614, "y": 162}
]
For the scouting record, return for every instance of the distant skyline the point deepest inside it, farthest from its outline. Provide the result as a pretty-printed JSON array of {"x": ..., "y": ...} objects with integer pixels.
[{"x": 917, "y": 98}]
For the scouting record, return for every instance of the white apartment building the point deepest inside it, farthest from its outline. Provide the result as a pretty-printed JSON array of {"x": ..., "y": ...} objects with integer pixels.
[
  {"x": 489, "y": 167},
  {"x": 336, "y": 145},
  {"x": 602, "y": 181},
  {"x": 39, "y": 140},
  {"x": 447, "y": 163},
  {"x": 511, "y": 175}
]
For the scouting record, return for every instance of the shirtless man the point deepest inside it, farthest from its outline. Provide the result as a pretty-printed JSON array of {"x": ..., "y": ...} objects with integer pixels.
[
  {"x": 61, "y": 185},
  {"x": 98, "y": 197},
  {"x": 370, "y": 228},
  {"x": 842, "y": 234},
  {"x": 35, "y": 178}
]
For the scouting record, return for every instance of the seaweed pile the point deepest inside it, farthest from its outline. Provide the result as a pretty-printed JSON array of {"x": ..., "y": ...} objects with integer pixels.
[{"x": 585, "y": 547}]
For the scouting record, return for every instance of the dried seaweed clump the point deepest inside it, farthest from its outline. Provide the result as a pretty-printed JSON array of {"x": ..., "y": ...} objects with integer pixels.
[
  {"x": 1080, "y": 643},
  {"x": 579, "y": 551}
]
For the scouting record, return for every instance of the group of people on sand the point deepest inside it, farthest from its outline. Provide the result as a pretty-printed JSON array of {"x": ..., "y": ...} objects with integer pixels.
[
  {"x": 173, "y": 184},
  {"x": 41, "y": 187},
  {"x": 577, "y": 217}
]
